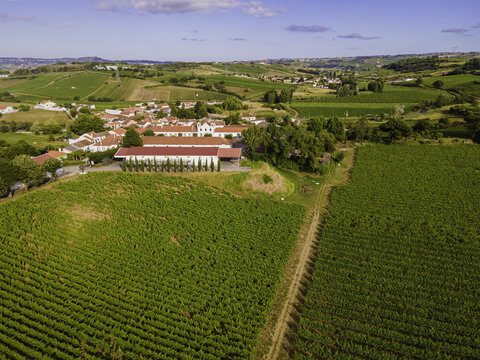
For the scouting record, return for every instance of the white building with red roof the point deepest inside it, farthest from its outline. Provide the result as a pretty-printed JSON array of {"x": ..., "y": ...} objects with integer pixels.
[
  {"x": 7, "y": 110},
  {"x": 184, "y": 141},
  {"x": 235, "y": 131},
  {"x": 49, "y": 106}
]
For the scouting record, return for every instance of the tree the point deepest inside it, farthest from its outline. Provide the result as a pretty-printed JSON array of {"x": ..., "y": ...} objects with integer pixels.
[
  {"x": 335, "y": 127},
  {"x": 142, "y": 165},
  {"x": 270, "y": 97},
  {"x": 130, "y": 165},
  {"x": 29, "y": 170},
  {"x": 398, "y": 110},
  {"x": 234, "y": 119},
  {"x": 51, "y": 166},
  {"x": 85, "y": 123},
  {"x": 232, "y": 103},
  {"x": 9, "y": 172},
  {"x": 438, "y": 84},
  {"x": 199, "y": 165},
  {"x": 181, "y": 165},
  {"x": 132, "y": 138},
  {"x": 422, "y": 125},
  {"x": 4, "y": 187},
  {"x": 20, "y": 148},
  {"x": 149, "y": 166},
  {"x": 148, "y": 132},
  {"x": 169, "y": 165},
  {"x": 137, "y": 167},
  {"x": 212, "y": 165},
  {"x": 155, "y": 166},
  {"x": 252, "y": 137},
  {"x": 419, "y": 81},
  {"x": 200, "y": 110},
  {"x": 376, "y": 86},
  {"x": 124, "y": 164},
  {"x": 193, "y": 165},
  {"x": 359, "y": 130},
  {"x": 395, "y": 129},
  {"x": 338, "y": 156},
  {"x": 218, "y": 165},
  {"x": 175, "y": 165}
]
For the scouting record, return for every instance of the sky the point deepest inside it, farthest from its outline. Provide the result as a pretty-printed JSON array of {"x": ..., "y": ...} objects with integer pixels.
[{"x": 228, "y": 30}]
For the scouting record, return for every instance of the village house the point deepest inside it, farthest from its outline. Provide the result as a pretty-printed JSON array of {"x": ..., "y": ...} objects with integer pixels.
[
  {"x": 7, "y": 109},
  {"x": 248, "y": 117},
  {"x": 118, "y": 132},
  {"x": 60, "y": 155},
  {"x": 173, "y": 141},
  {"x": 235, "y": 131},
  {"x": 188, "y": 155},
  {"x": 175, "y": 130},
  {"x": 49, "y": 106},
  {"x": 110, "y": 142}
]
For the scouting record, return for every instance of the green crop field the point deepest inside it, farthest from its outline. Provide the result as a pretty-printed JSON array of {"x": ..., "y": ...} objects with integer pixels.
[
  {"x": 307, "y": 109},
  {"x": 139, "y": 266},
  {"x": 241, "y": 68},
  {"x": 397, "y": 268},
  {"x": 392, "y": 94},
  {"x": 38, "y": 141},
  {"x": 60, "y": 86},
  {"x": 40, "y": 116},
  {"x": 451, "y": 80}
]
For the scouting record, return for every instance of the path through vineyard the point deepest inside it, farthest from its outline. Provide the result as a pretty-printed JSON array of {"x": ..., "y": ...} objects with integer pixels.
[{"x": 277, "y": 350}]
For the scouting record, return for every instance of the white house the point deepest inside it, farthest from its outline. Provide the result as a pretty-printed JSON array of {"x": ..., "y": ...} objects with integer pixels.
[
  {"x": 113, "y": 112},
  {"x": 175, "y": 141},
  {"x": 249, "y": 117},
  {"x": 188, "y": 155},
  {"x": 7, "y": 109},
  {"x": 110, "y": 142},
  {"x": 49, "y": 106},
  {"x": 233, "y": 130},
  {"x": 175, "y": 130}
]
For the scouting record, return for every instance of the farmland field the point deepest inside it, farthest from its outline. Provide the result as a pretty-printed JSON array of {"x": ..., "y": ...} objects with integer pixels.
[
  {"x": 131, "y": 266},
  {"x": 451, "y": 80},
  {"x": 42, "y": 116},
  {"x": 398, "y": 261},
  {"x": 38, "y": 141},
  {"x": 392, "y": 94},
  {"x": 306, "y": 109}
]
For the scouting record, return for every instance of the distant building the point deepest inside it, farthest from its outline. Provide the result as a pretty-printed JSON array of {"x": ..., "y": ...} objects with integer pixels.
[{"x": 7, "y": 110}]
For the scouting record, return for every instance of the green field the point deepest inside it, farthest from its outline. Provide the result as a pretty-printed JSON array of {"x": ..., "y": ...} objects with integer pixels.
[
  {"x": 139, "y": 266},
  {"x": 307, "y": 109},
  {"x": 392, "y": 94},
  {"x": 451, "y": 80},
  {"x": 34, "y": 115},
  {"x": 241, "y": 68},
  {"x": 38, "y": 141},
  {"x": 397, "y": 268}
]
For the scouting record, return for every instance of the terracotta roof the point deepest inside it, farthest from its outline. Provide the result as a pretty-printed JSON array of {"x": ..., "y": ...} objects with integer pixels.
[
  {"x": 175, "y": 128},
  {"x": 2, "y": 107},
  {"x": 185, "y": 140},
  {"x": 120, "y": 131},
  {"x": 82, "y": 143},
  {"x": 231, "y": 129},
  {"x": 167, "y": 151},
  {"x": 56, "y": 153},
  {"x": 229, "y": 152},
  {"x": 110, "y": 140},
  {"x": 42, "y": 158}
]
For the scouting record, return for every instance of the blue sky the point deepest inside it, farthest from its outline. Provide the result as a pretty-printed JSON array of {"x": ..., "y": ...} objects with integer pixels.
[{"x": 224, "y": 30}]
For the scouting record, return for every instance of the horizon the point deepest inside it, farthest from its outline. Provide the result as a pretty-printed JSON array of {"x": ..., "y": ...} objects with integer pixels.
[{"x": 234, "y": 30}]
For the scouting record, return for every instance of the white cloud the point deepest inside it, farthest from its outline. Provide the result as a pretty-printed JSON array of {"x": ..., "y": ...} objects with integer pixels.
[
  {"x": 254, "y": 8},
  {"x": 31, "y": 19}
]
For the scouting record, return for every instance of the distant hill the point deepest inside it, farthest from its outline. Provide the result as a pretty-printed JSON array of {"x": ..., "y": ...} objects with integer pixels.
[{"x": 28, "y": 62}]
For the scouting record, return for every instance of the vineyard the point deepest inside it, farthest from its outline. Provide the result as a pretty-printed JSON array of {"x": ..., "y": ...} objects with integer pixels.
[
  {"x": 307, "y": 109},
  {"x": 397, "y": 268},
  {"x": 127, "y": 266},
  {"x": 392, "y": 94}
]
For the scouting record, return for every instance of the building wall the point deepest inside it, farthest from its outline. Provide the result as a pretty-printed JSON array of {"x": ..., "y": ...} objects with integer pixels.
[{"x": 186, "y": 159}]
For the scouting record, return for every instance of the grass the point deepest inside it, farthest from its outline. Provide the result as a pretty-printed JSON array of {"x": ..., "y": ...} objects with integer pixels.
[
  {"x": 306, "y": 109},
  {"x": 34, "y": 115},
  {"x": 38, "y": 141},
  {"x": 451, "y": 80}
]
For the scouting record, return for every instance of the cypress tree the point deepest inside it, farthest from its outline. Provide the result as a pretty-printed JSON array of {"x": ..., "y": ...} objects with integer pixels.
[
  {"x": 193, "y": 165},
  {"x": 199, "y": 165},
  {"x": 212, "y": 166},
  {"x": 130, "y": 165},
  {"x": 181, "y": 165},
  {"x": 142, "y": 164},
  {"x": 218, "y": 165},
  {"x": 124, "y": 164},
  {"x": 175, "y": 165},
  {"x": 168, "y": 165},
  {"x": 206, "y": 165},
  {"x": 149, "y": 166},
  {"x": 136, "y": 164}
]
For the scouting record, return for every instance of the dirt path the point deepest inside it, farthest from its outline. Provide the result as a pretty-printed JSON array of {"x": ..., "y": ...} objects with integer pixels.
[
  {"x": 274, "y": 339},
  {"x": 285, "y": 316}
]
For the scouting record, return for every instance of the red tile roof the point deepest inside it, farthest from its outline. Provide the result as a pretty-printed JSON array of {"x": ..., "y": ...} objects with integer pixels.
[
  {"x": 231, "y": 129},
  {"x": 175, "y": 128},
  {"x": 185, "y": 140},
  {"x": 229, "y": 153},
  {"x": 56, "y": 153},
  {"x": 120, "y": 131},
  {"x": 42, "y": 158},
  {"x": 167, "y": 151}
]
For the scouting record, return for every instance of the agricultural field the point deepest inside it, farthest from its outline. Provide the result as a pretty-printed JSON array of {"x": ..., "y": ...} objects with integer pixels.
[
  {"x": 129, "y": 266},
  {"x": 451, "y": 80},
  {"x": 36, "y": 115},
  {"x": 307, "y": 109},
  {"x": 392, "y": 94},
  {"x": 38, "y": 141},
  {"x": 398, "y": 261}
]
